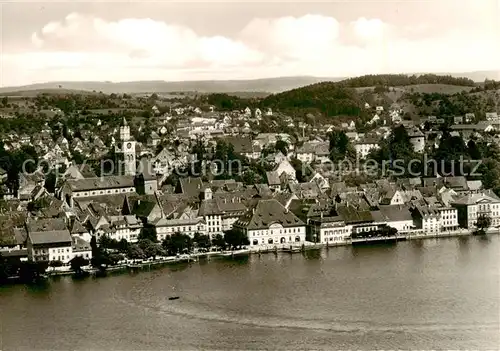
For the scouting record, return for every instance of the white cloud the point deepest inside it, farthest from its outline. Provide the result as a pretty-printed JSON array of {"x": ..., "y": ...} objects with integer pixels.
[{"x": 81, "y": 47}]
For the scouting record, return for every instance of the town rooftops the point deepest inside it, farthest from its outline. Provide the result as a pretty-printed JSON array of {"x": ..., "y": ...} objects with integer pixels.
[{"x": 98, "y": 183}]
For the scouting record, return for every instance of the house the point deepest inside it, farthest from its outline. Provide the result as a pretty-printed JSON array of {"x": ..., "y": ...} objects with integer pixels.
[
  {"x": 417, "y": 139},
  {"x": 395, "y": 116},
  {"x": 48, "y": 240},
  {"x": 271, "y": 223},
  {"x": 469, "y": 117},
  {"x": 285, "y": 167},
  {"x": 364, "y": 146},
  {"x": 427, "y": 219},
  {"x": 258, "y": 113},
  {"x": 493, "y": 118},
  {"x": 458, "y": 120},
  {"x": 472, "y": 206},
  {"x": 329, "y": 230},
  {"x": 244, "y": 146},
  {"x": 120, "y": 227},
  {"x": 154, "y": 139},
  {"x": 374, "y": 119},
  {"x": 398, "y": 217},
  {"x": 247, "y": 112},
  {"x": 273, "y": 180},
  {"x": 313, "y": 151},
  {"x": 379, "y": 109},
  {"x": 220, "y": 213},
  {"x": 188, "y": 223}
]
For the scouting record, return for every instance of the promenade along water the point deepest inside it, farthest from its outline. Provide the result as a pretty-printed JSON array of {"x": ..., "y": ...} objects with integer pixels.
[{"x": 429, "y": 294}]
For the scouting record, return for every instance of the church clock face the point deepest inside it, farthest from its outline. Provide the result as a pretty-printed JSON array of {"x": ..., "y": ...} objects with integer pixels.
[{"x": 129, "y": 145}]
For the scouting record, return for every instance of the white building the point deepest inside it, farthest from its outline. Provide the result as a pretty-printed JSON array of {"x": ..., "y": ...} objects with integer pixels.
[
  {"x": 118, "y": 227},
  {"x": 50, "y": 245},
  {"x": 270, "y": 223},
  {"x": 50, "y": 240},
  {"x": 398, "y": 217},
  {"x": 417, "y": 139},
  {"x": 365, "y": 146},
  {"x": 329, "y": 230},
  {"x": 185, "y": 224},
  {"x": 472, "y": 206}
]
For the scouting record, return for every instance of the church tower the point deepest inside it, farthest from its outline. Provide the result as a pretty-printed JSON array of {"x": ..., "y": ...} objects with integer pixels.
[{"x": 125, "y": 151}]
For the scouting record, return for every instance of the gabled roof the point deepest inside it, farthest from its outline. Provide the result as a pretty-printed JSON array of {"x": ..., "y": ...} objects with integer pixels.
[
  {"x": 191, "y": 186},
  {"x": 395, "y": 213},
  {"x": 268, "y": 212},
  {"x": 50, "y": 237},
  {"x": 352, "y": 216},
  {"x": 99, "y": 183}
]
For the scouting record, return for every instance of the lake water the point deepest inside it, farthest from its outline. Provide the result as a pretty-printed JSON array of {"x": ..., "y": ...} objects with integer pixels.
[{"x": 432, "y": 294}]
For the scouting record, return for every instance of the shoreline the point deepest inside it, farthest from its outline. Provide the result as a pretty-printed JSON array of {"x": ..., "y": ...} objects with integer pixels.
[{"x": 265, "y": 249}]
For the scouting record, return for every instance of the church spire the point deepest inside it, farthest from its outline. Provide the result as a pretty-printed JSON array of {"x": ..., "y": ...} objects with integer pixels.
[{"x": 124, "y": 122}]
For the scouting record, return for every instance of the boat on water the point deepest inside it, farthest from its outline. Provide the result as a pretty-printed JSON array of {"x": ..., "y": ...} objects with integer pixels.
[
  {"x": 237, "y": 253},
  {"x": 292, "y": 249}
]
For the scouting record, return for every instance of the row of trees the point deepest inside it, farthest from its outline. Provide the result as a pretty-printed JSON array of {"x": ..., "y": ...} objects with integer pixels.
[
  {"x": 108, "y": 251},
  {"x": 394, "y": 80}
]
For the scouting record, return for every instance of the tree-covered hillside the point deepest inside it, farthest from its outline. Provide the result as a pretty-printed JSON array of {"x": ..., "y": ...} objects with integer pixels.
[
  {"x": 343, "y": 98},
  {"x": 327, "y": 97},
  {"x": 396, "y": 80}
]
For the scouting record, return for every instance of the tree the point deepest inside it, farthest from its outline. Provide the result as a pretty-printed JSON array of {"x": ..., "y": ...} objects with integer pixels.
[
  {"x": 282, "y": 146},
  {"x": 149, "y": 248},
  {"x": 5, "y": 101},
  {"x": 340, "y": 146},
  {"x": 30, "y": 271},
  {"x": 202, "y": 241},
  {"x": 123, "y": 246},
  {"x": 135, "y": 252},
  {"x": 148, "y": 232},
  {"x": 77, "y": 263},
  {"x": 177, "y": 243},
  {"x": 50, "y": 181},
  {"x": 218, "y": 241},
  {"x": 235, "y": 238},
  {"x": 483, "y": 222}
]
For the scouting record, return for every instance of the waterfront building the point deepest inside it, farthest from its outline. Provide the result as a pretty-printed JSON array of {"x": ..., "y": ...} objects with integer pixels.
[
  {"x": 117, "y": 227},
  {"x": 220, "y": 213},
  {"x": 329, "y": 230},
  {"x": 271, "y": 223},
  {"x": 472, "y": 206}
]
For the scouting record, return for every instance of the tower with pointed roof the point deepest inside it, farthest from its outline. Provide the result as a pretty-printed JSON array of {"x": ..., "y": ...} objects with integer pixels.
[{"x": 125, "y": 151}]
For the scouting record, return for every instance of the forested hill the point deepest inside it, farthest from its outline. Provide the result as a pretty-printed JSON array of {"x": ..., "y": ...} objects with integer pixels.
[
  {"x": 344, "y": 98},
  {"x": 327, "y": 97},
  {"x": 397, "y": 80},
  {"x": 348, "y": 97}
]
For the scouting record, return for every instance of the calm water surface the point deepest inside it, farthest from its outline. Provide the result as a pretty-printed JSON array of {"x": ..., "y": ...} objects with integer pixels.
[{"x": 434, "y": 294}]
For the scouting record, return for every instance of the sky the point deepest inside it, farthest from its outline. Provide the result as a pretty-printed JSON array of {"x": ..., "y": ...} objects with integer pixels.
[{"x": 43, "y": 41}]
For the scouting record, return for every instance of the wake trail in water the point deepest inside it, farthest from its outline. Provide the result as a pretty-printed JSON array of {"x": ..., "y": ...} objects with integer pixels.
[{"x": 189, "y": 309}]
